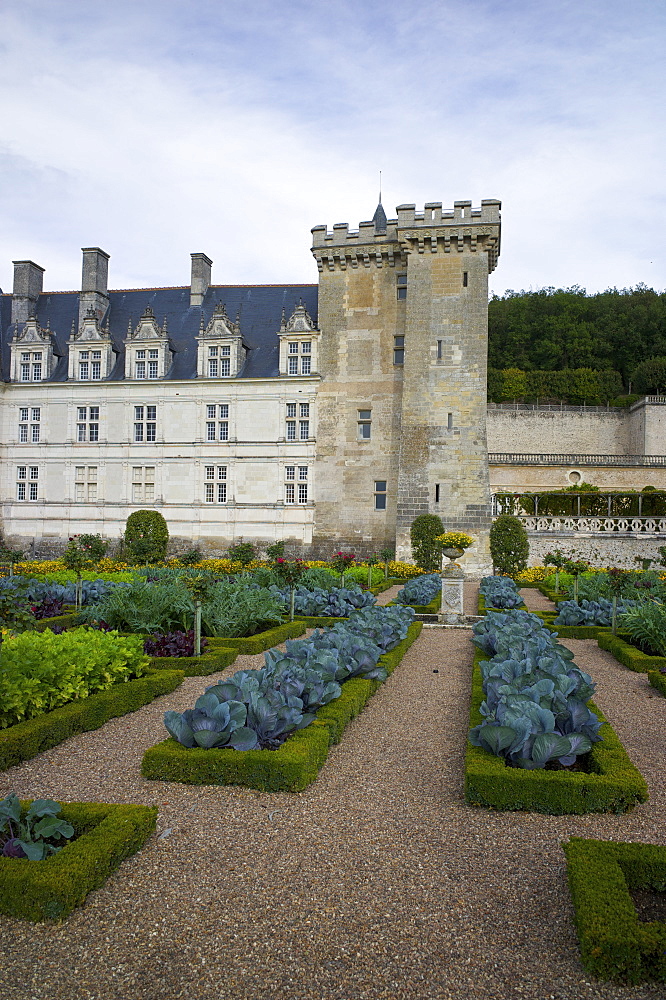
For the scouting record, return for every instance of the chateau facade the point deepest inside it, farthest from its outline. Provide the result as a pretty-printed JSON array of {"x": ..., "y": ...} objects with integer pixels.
[{"x": 327, "y": 414}]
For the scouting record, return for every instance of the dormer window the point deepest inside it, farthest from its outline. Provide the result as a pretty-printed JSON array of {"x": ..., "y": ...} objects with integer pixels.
[
  {"x": 148, "y": 352},
  {"x": 221, "y": 350},
  {"x": 90, "y": 351},
  {"x": 299, "y": 338},
  {"x": 31, "y": 366}
]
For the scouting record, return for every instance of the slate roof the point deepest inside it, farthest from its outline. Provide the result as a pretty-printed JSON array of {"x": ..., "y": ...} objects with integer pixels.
[{"x": 260, "y": 316}]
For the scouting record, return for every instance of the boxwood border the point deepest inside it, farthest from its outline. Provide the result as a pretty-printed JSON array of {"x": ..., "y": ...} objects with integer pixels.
[
  {"x": 614, "y": 785},
  {"x": 27, "y": 739},
  {"x": 614, "y": 943},
  {"x": 51, "y": 889},
  {"x": 629, "y": 656},
  {"x": 290, "y": 768},
  {"x": 260, "y": 642},
  {"x": 658, "y": 681},
  {"x": 196, "y": 666}
]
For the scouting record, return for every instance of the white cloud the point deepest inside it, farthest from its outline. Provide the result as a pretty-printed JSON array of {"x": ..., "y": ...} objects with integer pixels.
[{"x": 154, "y": 130}]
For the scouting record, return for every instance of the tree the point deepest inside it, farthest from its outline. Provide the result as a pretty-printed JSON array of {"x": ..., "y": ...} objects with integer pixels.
[
  {"x": 509, "y": 546},
  {"x": 426, "y": 550},
  {"x": 146, "y": 536},
  {"x": 650, "y": 376}
]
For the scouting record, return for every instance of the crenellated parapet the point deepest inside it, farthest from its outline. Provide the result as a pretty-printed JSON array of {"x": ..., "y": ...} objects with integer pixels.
[{"x": 461, "y": 229}]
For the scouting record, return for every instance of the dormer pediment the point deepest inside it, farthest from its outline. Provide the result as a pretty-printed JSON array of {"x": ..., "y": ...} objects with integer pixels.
[
  {"x": 32, "y": 333},
  {"x": 300, "y": 321},
  {"x": 148, "y": 328},
  {"x": 220, "y": 325}
]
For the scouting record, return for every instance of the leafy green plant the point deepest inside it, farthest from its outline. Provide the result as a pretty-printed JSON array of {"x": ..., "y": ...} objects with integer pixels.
[
  {"x": 242, "y": 552},
  {"x": 426, "y": 550},
  {"x": 290, "y": 572},
  {"x": 387, "y": 555},
  {"x": 42, "y": 671},
  {"x": 146, "y": 536},
  {"x": 190, "y": 558},
  {"x": 556, "y": 559},
  {"x": 144, "y": 607},
  {"x": 95, "y": 545},
  {"x": 33, "y": 834},
  {"x": 646, "y": 624},
  {"x": 509, "y": 547},
  {"x": 276, "y": 550}
]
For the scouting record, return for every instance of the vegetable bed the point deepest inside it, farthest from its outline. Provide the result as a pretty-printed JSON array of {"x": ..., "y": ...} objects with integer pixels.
[
  {"x": 614, "y": 943},
  {"x": 26, "y": 739},
  {"x": 612, "y": 783},
  {"x": 629, "y": 656},
  {"x": 210, "y": 662},
  {"x": 262, "y": 640},
  {"x": 290, "y": 768},
  {"x": 104, "y": 836}
]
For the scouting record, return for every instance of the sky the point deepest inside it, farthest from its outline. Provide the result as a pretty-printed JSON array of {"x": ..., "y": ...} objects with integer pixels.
[{"x": 158, "y": 128}]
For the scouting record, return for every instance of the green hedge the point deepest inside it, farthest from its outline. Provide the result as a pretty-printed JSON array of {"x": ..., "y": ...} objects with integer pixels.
[
  {"x": 552, "y": 595},
  {"x": 26, "y": 739},
  {"x": 104, "y": 836},
  {"x": 628, "y": 655},
  {"x": 658, "y": 681},
  {"x": 259, "y": 642},
  {"x": 70, "y": 620},
  {"x": 614, "y": 784},
  {"x": 290, "y": 768},
  {"x": 614, "y": 943},
  {"x": 317, "y": 621},
  {"x": 482, "y": 608},
  {"x": 196, "y": 666}
]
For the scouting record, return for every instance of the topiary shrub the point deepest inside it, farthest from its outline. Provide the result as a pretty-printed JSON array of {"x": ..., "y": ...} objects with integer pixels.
[
  {"x": 509, "y": 546},
  {"x": 426, "y": 550},
  {"x": 146, "y": 536}
]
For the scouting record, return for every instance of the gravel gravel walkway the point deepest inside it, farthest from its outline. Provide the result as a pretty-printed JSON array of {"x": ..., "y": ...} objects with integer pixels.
[{"x": 376, "y": 882}]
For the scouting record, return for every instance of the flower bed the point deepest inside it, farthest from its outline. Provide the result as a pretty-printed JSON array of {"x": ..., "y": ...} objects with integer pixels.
[
  {"x": 290, "y": 768},
  {"x": 614, "y": 943},
  {"x": 612, "y": 783},
  {"x": 104, "y": 836},
  {"x": 26, "y": 739}
]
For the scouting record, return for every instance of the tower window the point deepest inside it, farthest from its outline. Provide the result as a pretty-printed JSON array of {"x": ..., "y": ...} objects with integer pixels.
[
  {"x": 399, "y": 350},
  {"x": 364, "y": 425},
  {"x": 401, "y": 281},
  {"x": 380, "y": 494},
  {"x": 436, "y": 492},
  {"x": 464, "y": 279},
  {"x": 449, "y": 421}
]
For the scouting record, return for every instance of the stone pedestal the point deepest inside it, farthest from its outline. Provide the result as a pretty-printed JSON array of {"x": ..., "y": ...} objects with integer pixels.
[{"x": 451, "y": 612}]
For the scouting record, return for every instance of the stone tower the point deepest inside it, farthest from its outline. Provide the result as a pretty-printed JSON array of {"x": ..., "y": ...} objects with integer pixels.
[{"x": 403, "y": 311}]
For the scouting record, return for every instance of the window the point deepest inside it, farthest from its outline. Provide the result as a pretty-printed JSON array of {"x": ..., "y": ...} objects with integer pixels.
[
  {"x": 439, "y": 350},
  {"x": 305, "y": 348},
  {"x": 84, "y": 365},
  {"x": 143, "y": 484},
  {"x": 27, "y": 482},
  {"x": 296, "y": 484},
  {"x": 29, "y": 431},
  {"x": 380, "y": 494},
  {"x": 31, "y": 366},
  {"x": 464, "y": 279},
  {"x": 291, "y": 422},
  {"x": 87, "y": 423},
  {"x": 449, "y": 421},
  {"x": 436, "y": 492},
  {"x": 85, "y": 483},
  {"x": 399, "y": 350},
  {"x": 364, "y": 424},
  {"x": 215, "y": 485},
  {"x": 145, "y": 425},
  {"x": 401, "y": 281},
  {"x": 225, "y": 361},
  {"x": 217, "y": 422},
  {"x": 96, "y": 366},
  {"x": 304, "y": 429}
]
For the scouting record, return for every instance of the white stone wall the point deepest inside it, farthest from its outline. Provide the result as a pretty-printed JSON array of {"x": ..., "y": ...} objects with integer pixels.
[
  {"x": 256, "y": 456},
  {"x": 600, "y": 551},
  {"x": 559, "y": 432}
]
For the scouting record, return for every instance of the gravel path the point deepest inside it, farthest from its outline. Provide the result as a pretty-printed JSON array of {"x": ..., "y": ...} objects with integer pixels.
[{"x": 376, "y": 882}]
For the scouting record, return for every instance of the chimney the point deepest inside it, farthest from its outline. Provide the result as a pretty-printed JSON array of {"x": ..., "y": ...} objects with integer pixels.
[
  {"x": 201, "y": 266},
  {"x": 94, "y": 280},
  {"x": 28, "y": 284}
]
